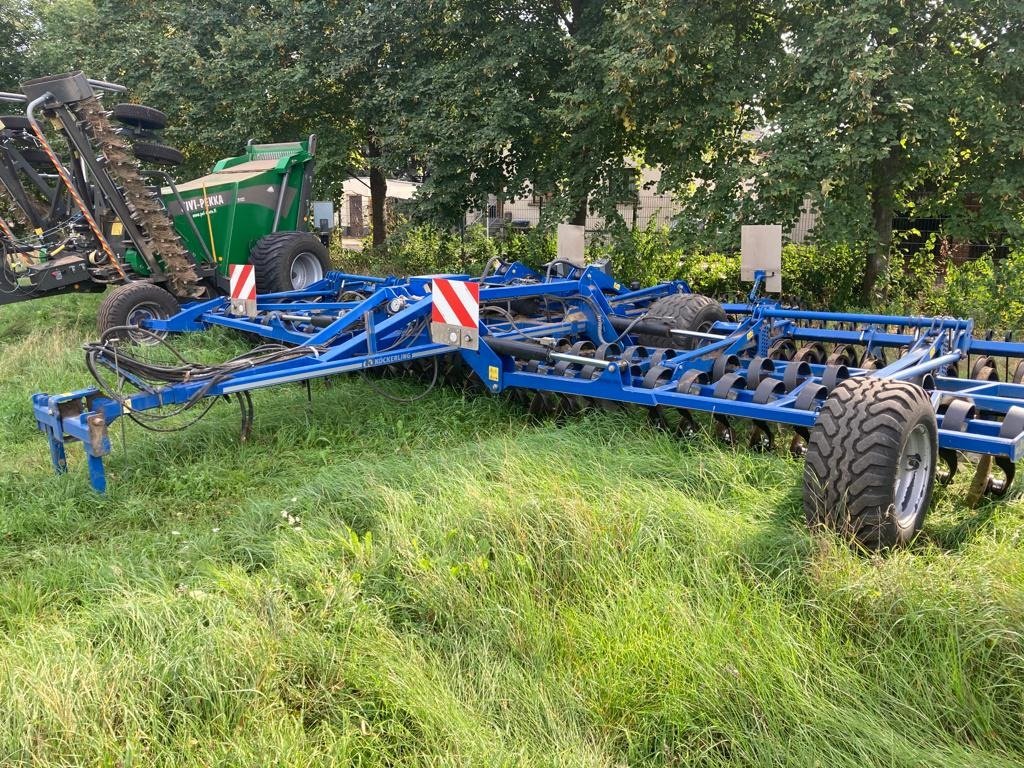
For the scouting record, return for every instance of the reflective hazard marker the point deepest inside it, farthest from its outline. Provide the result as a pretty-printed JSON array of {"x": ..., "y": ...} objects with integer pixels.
[
  {"x": 455, "y": 313},
  {"x": 243, "y": 289}
]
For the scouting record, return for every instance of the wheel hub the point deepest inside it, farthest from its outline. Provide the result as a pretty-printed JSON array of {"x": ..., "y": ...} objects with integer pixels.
[
  {"x": 913, "y": 471},
  {"x": 146, "y": 310},
  {"x": 305, "y": 270}
]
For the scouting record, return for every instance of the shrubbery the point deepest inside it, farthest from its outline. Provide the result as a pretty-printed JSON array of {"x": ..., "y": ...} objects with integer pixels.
[
  {"x": 818, "y": 277},
  {"x": 992, "y": 292},
  {"x": 418, "y": 250}
]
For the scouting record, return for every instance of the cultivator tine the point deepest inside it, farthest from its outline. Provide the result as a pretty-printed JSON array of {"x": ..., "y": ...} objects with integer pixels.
[
  {"x": 950, "y": 461},
  {"x": 724, "y": 430},
  {"x": 1018, "y": 374},
  {"x": 980, "y": 483},
  {"x": 687, "y": 426},
  {"x": 999, "y": 487},
  {"x": 955, "y": 414},
  {"x": 813, "y": 353},
  {"x": 984, "y": 369},
  {"x": 762, "y": 437},
  {"x": 543, "y": 405},
  {"x": 985, "y": 483},
  {"x": 658, "y": 418},
  {"x": 842, "y": 356},
  {"x": 798, "y": 444},
  {"x": 782, "y": 349}
]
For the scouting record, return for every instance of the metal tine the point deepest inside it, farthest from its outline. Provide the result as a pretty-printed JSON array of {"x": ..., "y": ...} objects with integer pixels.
[{"x": 762, "y": 437}]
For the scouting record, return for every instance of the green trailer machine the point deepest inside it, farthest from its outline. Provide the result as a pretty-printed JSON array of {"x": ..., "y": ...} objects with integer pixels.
[{"x": 127, "y": 224}]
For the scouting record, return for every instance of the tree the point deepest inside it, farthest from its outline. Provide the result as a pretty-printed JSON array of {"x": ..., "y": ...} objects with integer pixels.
[
  {"x": 750, "y": 107},
  {"x": 881, "y": 106},
  {"x": 488, "y": 96},
  {"x": 223, "y": 72},
  {"x": 686, "y": 81},
  {"x": 18, "y": 26},
  {"x": 566, "y": 99}
]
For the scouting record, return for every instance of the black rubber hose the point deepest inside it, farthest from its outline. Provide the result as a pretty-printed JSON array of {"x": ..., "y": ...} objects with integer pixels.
[
  {"x": 526, "y": 350},
  {"x": 637, "y": 326}
]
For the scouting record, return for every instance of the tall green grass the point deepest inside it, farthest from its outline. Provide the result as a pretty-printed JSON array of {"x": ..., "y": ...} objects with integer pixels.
[{"x": 446, "y": 583}]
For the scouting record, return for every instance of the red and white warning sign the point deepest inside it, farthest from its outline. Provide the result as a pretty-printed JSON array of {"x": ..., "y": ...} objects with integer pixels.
[
  {"x": 456, "y": 302},
  {"x": 455, "y": 314},
  {"x": 243, "y": 289}
]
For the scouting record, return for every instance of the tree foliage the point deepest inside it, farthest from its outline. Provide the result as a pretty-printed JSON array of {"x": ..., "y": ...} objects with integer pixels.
[
  {"x": 749, "y": 107},
  {"x": 885, "y": 106},
  {"x": 18, "y": 27},
  {"x": 224, "y": 72}
]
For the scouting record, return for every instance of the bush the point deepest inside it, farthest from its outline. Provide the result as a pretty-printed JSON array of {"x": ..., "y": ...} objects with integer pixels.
[
  {"x": 646, "y": 255},
  {"x": 423, "y": 250},
  {"x": 910, "y": 284},
  {"x": 990, "y": 292},
  {"x": 534, "y": 248},
  {"x": 825, "y": 277},
  {"x": 713, "y": 274},
  {"x": 814, "y": 276}
]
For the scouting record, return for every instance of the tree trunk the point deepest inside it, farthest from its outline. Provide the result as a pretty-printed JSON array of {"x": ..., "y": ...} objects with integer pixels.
[
  {"x": 378, "y": 195},
  {"x": 580, "y": 217},
  {"x": 883, "y": 206},
  {"x": 878, "y": 255}
]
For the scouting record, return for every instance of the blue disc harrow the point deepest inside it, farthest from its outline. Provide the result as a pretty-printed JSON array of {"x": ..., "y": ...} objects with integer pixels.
[{"x": 880, "y": 406}]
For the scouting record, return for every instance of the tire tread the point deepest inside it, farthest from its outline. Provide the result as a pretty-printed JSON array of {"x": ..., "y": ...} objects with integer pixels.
[
  {"x": 270, "y": 252},
  {"x": 686, "y": 312},
  {"x": 850, "y": 467}
]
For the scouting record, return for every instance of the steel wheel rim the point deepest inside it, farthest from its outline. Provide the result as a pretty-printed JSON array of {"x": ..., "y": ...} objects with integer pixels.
[
  {"x": 146, "y": 310},
  {"x": 913, "y": 475},
  {"x": 306, "y": 270}
]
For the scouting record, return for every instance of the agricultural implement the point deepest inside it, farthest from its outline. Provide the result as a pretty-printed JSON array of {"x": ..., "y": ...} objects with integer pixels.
[
  {"x": 96, "y": 207},
  {"x": 880, "y": 406}
]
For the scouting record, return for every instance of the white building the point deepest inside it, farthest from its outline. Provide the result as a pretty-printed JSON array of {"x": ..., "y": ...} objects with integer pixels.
[{"x": 354, "y": 212}]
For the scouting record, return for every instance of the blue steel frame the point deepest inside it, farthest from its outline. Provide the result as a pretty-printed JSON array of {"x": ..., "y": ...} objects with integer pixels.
[{"x": 355, "y": 322}]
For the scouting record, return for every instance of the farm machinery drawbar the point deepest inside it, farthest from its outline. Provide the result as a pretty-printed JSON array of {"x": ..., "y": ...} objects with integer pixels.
[
  {"x": 85, "y": 203},
  {"x": 880, "y": 406}
]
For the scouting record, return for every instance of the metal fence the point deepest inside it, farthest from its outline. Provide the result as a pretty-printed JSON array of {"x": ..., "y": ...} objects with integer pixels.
[{"x": 524, "y": 214}]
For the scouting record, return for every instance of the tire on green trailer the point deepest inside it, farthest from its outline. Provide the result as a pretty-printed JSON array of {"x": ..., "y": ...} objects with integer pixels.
[
  {"x": 161, "y": 154},
  {"x": 140, "y": 116},
  {"x": 683, "y": 312},
  {"x": 871, "y": 462},
  {"x": 288, "y": 261},
  {"x": 128, "y": 305}
]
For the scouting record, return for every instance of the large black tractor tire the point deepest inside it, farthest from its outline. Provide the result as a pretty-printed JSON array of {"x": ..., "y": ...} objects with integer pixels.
[
  {"x": 127, "y": 305},
  {"x": 871, "y": 462},
  {"x": 683, "y": 312},
  {"x": 140, "y": 116},
  {"x": 16, "y": 122},
  {"x": 160, "y": 154},
  {"x": 288, "y": 261}
]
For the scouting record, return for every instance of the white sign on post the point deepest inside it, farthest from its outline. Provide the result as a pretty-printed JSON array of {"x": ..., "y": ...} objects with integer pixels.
[
  {"x": 761, "y": 250},
  {"x": 571, "y": 243}
]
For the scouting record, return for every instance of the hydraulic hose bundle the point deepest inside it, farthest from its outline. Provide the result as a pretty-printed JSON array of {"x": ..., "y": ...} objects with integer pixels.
[{"x": 110, "y": 353}]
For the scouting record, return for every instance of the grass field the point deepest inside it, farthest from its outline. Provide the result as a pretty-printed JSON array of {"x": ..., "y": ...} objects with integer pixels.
[{"x": 447, "y": 583}]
